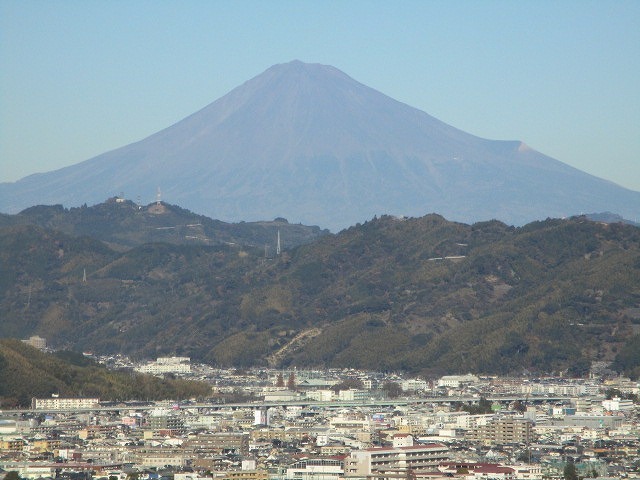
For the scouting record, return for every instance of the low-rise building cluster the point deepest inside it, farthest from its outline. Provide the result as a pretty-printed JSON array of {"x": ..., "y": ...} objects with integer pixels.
[{"x": 263, "y": 424}]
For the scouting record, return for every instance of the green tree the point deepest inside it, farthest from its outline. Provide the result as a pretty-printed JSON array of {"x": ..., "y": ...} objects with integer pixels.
[
  {"x": 392, "y": 389},
  {"x": 579, "y": 368},
  {"x": 483, "y": 407},
  {"x": 519, "y": 406},
  {"x": 570, "y": 472},
  {"x": 524, "y": 456},
  {"x": 347, "y": 384},
  {"x": 291, "y": 381},
  {"x": 628, "y": 358}
]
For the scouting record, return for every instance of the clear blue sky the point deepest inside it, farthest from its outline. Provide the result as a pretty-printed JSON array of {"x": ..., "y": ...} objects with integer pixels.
[{"x": 78, "y": 78}]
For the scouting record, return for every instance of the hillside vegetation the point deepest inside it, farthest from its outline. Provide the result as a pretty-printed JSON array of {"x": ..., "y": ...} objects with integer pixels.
[
  {"x": 423, "y": 295},
  {"x": 124, "y": 224},
  {"x": 26, "y": 372}
]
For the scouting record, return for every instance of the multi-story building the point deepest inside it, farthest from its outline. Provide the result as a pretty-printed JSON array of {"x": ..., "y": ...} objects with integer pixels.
[
  {"x": 473, "y": 421},
  {"x": 219, "y": 443},
  {"x": 244, "y": 475},
  {"x": 57, "y": 403},
  {"x": 349, "y": 423},
  {"x": 456, "y": 381},
  {"x": 165, "y": 422},
  {"x": 160, "y": 457},
  {"x": 502, "y": 431},
  {"x": 414, "y": 385},
  {"x": 286, "y": 435},
  {"x": 330, "y": 468},
  {"x": 474, "y": 470},
  {"x": 45, "y": 445},
  {"x": 167, "y": 365},
  {"x": 12, "y": 445},
  {"x": 353, "y": 395},
  {"x": 617, "y": 404},
  {"x": 320, "y": 395},
  {"x": 36, "y": 342},
  {"x": 415, "y": 457}
]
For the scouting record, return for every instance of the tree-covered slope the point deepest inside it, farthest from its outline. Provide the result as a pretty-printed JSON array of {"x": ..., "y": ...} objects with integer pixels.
[
  {"x": 123, "y": 224},
  {"x": 26, "y": 372},
  {"x": 419, "y": 294}
]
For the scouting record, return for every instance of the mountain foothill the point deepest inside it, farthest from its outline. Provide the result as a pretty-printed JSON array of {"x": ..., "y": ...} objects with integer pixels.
[
  {"x": 507, "y": 276},
  {"x": 424, "y": 295}
]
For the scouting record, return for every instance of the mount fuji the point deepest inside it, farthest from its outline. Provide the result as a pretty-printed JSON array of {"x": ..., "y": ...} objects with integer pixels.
[{"x": 309, "y": 143}]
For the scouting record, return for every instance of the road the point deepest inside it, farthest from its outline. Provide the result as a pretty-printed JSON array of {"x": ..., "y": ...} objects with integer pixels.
[{"x": 128, "y": 407}]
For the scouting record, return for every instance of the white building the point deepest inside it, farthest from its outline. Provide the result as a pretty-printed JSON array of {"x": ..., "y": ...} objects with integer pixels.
[
  {"x": 353, "y": 395},
  {"x": 57, "y": 403},
  {"x": 402, "y": 440},
  {"x": 414, "y": 385},
  {"x": 36, "y": 342},
  {"x": 167, "y": 365},
  {"x": 316, "y": 469},
  {"x": 528, "y": 472},
  {"x": 320, "y": 395},
  {"x": 617, "y": 404},
  {"x": 280, "y": 396},
  {"x": 468, "y": 421},
  {"x": 456, "y": 381},
  {"x": 35, "y": 471},
  {"x": 349, "y": 423},
  {"x": 262, "y": 416},
  {"x": 416, "y": 457},
  {"x": 367, "y": 383},
  {"x": 189, "y": 476}
]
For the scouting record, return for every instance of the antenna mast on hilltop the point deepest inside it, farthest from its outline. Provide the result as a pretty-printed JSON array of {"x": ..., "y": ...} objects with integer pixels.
[
  {"x": 278, "y": 244},
  {"x": 158, "y": 197}
]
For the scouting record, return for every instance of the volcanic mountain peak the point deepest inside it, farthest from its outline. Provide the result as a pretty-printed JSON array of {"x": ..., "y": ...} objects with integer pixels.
[{"x": 309, "y": 143}]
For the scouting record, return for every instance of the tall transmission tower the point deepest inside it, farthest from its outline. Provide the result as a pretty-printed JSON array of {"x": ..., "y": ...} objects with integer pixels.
[{"x": 278, "y": 244}]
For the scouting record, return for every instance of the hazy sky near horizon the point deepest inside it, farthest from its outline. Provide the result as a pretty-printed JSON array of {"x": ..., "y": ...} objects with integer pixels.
[{"x": 81, "y": 77}]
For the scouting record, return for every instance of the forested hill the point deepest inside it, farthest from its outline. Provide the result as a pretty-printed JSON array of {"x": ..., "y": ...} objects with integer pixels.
[
  {"x": 124, "y": 224},
  {"x": 423, "y": 295},
  {"x": 26, "y": 373}
]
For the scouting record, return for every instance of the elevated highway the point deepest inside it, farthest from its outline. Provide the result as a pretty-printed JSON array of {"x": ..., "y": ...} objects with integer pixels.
[{"x": 212, "y": 406}]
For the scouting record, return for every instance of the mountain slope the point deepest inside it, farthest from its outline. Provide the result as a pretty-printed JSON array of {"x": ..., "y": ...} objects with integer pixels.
[
  {"x": 309, "y": 143},
  {"x": 123, "y": 224},
  {"x": 26, "y": 372},
  {"x": 415, "y": 294}
]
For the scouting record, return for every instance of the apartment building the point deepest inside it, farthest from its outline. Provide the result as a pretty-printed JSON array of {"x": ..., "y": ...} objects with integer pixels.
[
  {"x": 57, "y": 403},
  {"x": 415, "y": 457},
  {"x": 219, "y": 443},
  {"x": 329, "y": 468},
  {"x": 502, "y": 431}
]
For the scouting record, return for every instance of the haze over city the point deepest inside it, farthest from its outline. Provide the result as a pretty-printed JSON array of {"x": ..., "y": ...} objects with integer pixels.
[{"x": 80, "y": 79}]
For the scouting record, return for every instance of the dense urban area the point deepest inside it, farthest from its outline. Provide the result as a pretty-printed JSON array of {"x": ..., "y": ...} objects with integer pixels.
[{"x": 264, "y": 424}]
